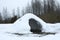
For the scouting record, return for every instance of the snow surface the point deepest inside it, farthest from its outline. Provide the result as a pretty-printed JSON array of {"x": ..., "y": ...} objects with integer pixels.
[
  {"x": 4, "y": 36},
  {"x": 22, "y": 26},
  {"x": 53, "y": 27}
]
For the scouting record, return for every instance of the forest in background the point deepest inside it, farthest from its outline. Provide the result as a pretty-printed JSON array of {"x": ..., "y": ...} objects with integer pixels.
[
  {"x": 5, "y": 17},
  {"x": 48, "y": 10}
]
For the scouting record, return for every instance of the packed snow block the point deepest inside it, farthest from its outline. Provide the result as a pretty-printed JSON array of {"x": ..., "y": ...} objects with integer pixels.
[{"x": 36, "y": 27}]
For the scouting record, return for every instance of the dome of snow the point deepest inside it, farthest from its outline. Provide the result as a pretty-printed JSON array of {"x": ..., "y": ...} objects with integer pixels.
[
  {"x": 23, "y": 24},
  {"x": 29, "y": 23}
]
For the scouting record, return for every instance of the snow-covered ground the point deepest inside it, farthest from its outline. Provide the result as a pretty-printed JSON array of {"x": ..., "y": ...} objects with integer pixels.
[
  {"x": 4, "y": 36},
  {"x": 9, "y": 31}
]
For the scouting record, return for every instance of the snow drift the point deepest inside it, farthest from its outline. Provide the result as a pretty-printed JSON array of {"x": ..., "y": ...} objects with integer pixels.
[{"x": 23, "y": 23}]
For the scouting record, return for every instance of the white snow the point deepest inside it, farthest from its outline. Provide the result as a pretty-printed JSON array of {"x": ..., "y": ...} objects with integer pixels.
[
  {"x": 24, "y": 22},
  {"x": 4, "y": 36},
  {"x": 53, "y": 27},
  {"x": 22, "y": 26}
]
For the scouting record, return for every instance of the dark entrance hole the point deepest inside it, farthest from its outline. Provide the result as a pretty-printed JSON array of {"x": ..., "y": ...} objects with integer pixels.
[{"x": 36, "y": 27}]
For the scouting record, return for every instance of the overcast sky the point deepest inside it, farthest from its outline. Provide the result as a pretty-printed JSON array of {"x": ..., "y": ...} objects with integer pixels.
[{"x": 13, "y": 4}]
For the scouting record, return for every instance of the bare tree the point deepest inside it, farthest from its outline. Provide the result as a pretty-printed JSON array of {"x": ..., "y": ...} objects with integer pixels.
[
  {"x": 51, "y": 6},
  {"x": 0, "y": 16},
  {"x": 18, "y": 12},
  {"x": 13, "y": 12},
  {"x": 28, "y": 9},
  {"x": 23, "y": 12},
  {"x": 45, "y": 6},
  {"x": 36, "y": 6},
  {"x": 5, "y": 13}
]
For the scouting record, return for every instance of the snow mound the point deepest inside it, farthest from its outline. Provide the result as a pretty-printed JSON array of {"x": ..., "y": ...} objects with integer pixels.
[{"x": 22, "y": 24}]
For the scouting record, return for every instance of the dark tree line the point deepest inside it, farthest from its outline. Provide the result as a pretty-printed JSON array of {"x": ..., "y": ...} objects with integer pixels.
[
  {"x": 47, "y": 10},
  {"x": 50, "y": 12},
  {"x": 6, "y": 17}
]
